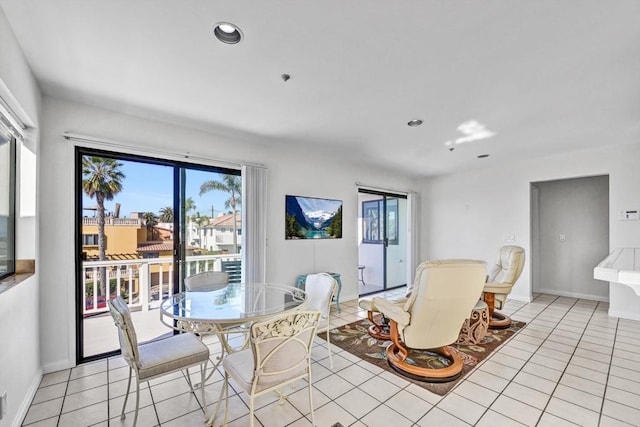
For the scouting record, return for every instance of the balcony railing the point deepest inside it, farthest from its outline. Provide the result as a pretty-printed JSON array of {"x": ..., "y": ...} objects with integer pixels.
[
  {"x": 109, "y": 220},
  {"x": 142, "y": 283}
]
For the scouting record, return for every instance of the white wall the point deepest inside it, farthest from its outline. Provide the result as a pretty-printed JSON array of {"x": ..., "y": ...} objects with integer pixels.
[
  {"x": 19, "y": 306},
  {"x": 469, "y": 214},
  {"x": 577, "y": 209},
  {"x": 290, "y": 171}
]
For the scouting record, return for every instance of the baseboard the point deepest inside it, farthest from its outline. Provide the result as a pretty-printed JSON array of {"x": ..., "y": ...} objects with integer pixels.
[
  {"x": 624, "y": 315},
  {"x": 26, "y": 402},
  {"x": 572, "y": 295},
  {"x": 520, "y": 298},
  {"x": 57, "y": 366}
]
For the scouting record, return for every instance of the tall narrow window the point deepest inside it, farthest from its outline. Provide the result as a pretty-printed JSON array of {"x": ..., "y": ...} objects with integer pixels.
[{"x": 7, "y": 203}]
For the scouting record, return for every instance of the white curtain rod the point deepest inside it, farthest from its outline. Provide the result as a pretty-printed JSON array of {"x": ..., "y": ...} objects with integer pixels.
[
  {"x": 96, "y": 142},
  {"x": 11, "y": 120},
  {"x": 384, "y": 190}
]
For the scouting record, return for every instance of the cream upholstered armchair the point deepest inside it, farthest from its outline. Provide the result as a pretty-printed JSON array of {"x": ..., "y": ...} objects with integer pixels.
[
  {"x": 432, "y": 316},
  {"x": 503, "y": 276},
  {"x": 380, "y": 329}
]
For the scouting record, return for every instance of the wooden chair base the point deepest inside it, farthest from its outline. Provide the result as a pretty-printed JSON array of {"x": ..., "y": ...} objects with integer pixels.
[
  {"x": 499, "y": 321},
  {"x": 431, "y": 375},
  {"x": 378, "y": 330},
  {"x": 397, "y": 354}
]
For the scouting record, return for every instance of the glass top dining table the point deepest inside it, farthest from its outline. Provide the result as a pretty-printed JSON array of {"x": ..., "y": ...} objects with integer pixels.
[
  {"x": 214, "y": 311},
  {"x": 228, "y": 311}
]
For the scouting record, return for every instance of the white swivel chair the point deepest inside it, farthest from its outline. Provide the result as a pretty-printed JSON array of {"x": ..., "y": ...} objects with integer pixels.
[
  {"x": 505, "y": 273},
  {"x": 381, "y": 330},
  {"x": 206, "y": 281},
  {"x": 431, "y": 318},
  {"x": 320, "y": 289},
  {"x": 279, "y": 355},
  {"x": 156, "y": 358}
]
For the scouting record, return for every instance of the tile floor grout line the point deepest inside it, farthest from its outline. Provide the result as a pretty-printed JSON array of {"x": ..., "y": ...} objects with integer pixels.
[
  {"x": 64, "y": 398},
  {"x": 565, "y": 369},
  {"x": 549, "y": 332},
  {"x": 604, "y": 393},
  {"x": 488, "y": 408},
  {"x": 108, "y": 393}
]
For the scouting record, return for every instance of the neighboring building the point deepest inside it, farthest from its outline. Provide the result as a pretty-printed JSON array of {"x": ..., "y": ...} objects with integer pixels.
[
  {"x": 128, "y": 238},
  {"x": 122, "y": 236},
  {"x": 218, "y": 235}
]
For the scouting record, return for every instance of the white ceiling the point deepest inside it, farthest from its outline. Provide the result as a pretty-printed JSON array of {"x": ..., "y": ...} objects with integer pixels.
[{"x": 546, "y": 76}]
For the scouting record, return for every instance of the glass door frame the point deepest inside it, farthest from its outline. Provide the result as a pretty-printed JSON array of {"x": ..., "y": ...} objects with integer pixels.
[
  {"x": 385, "y": 238},
  {"x": 179, "y": 226}
]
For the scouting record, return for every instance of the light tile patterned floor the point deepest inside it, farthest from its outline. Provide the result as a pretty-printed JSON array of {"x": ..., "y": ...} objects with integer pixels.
[{"x": 571, "y": 365}]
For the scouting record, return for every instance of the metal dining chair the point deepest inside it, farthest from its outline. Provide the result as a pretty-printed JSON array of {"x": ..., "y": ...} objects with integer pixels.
[
  {"x": 320, "y": 289},
  {"x": 279, "y": 355},
  {"x": 157, "y": 358},
  {"x": 206, "y": 281}
]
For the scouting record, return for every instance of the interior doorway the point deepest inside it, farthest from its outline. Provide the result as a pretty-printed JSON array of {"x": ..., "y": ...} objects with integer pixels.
[
  {"x": 383, "y": 241},
  {"x": 569, "y": 236}
]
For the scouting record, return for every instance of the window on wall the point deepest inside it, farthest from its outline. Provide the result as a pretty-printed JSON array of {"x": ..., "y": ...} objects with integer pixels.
[
  {"x": 7, "y": 202},
  {"x": 90, "y": 240}
]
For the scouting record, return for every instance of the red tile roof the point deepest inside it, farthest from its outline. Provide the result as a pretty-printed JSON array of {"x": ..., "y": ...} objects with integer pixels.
[
  {"x": 225, "y": 221},
  {"x": 155, "y": 246}
]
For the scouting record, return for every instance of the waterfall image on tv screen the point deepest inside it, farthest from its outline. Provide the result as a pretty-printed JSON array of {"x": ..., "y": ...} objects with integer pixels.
[{"x": 312, "y": 218}]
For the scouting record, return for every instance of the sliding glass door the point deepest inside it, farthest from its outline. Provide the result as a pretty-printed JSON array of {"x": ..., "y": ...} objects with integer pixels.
[
  {"x": 382, "y": 251},
  {"x": 143, "y": 225}
]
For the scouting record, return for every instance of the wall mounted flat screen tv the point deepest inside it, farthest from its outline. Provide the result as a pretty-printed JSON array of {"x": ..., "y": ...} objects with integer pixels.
[{"x": 312, "y": 218}]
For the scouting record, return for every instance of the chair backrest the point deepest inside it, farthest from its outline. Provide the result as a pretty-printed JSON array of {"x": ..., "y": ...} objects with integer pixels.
[
  {"x": 206, "y": 281},
  {"x": 442, "y": 300},
  {"x": 320, "y": 289},
  {"x": 281, "y": 346},
  {"x": 126, "y": 332},
  {"x": 509, "y": 265},
  {"x": 422, "y": 267}
]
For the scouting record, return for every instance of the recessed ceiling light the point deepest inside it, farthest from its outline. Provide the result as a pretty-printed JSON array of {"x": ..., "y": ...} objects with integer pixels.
[
  {"x": 414, "y": 122},
  {"x": 483, "y": 156},
  {"x": 227, "y": 33}
]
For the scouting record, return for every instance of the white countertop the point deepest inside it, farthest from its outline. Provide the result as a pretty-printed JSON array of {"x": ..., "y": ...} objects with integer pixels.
[{"x": 621, "y": 266}]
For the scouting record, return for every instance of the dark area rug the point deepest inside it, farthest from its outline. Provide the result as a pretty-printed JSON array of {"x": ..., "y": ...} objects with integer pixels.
[{"x": 355, "y": 339}]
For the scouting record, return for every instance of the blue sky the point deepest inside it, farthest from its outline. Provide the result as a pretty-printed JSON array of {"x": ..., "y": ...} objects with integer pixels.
[{"x": 149, "y": 188}]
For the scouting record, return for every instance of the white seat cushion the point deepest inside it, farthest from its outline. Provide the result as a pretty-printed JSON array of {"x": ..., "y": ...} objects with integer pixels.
[{"x": 171, "y": 354}]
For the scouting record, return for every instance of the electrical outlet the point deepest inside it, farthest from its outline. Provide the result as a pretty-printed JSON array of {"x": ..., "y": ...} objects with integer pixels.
[
  {"x": 563, "y": 237},
  {"x": 3, "y": 404}
]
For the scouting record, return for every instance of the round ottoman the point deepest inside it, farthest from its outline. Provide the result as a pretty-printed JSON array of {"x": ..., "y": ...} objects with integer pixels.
[{"x": 475, "y": 328}]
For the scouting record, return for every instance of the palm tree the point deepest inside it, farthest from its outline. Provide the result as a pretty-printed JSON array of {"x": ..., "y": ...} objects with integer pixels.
[
  {"x": 166, "y": 214},
  {"x": 102, "y": 179},
  {"x": 231, "y": 184},
  {"x": 150, "y": 221},
  {"x": 189, "y": 205}
]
